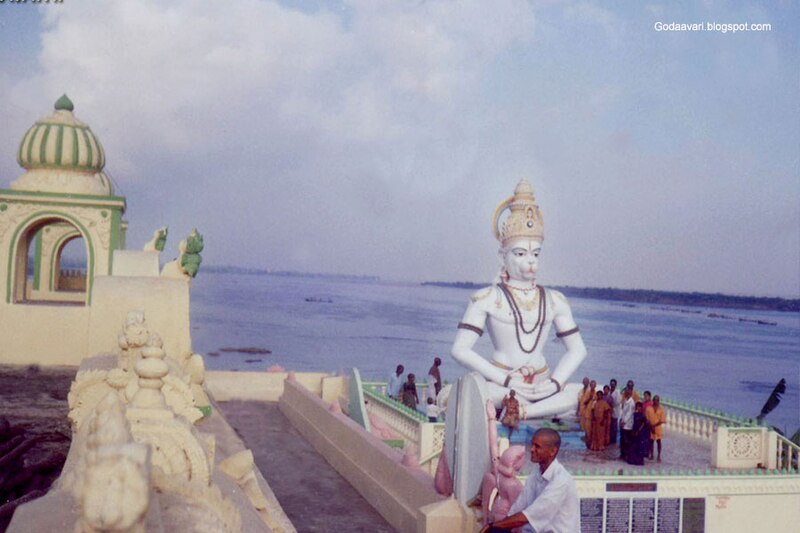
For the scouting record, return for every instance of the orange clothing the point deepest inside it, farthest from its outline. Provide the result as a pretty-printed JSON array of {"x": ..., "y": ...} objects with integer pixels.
[
  {"x": 511, "y": 418},
  {"x": 654, "y": 416},
  {"x": 601, "y": 420},
  {"x": 585, "y": 398}
]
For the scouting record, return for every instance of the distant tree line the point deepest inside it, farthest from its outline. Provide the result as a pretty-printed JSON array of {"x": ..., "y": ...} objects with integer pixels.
[
  {"x": 248, "y": 271},
  {"x": 697, "y": 299}
]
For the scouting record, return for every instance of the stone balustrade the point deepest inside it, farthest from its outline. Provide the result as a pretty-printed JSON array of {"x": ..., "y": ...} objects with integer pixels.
[
  {"x": 411, "y": 425},
  {"x": 736, "y": 441},
  {"x": 699, "y": 422},
  {"x": 787, "y": 454}
]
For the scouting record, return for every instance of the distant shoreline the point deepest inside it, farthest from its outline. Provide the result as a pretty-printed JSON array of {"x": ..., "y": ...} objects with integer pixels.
[
  {"x": 288, "y": 273},
  {"x": 643, "y": 296},
  {"x": 636, "y": 296}
]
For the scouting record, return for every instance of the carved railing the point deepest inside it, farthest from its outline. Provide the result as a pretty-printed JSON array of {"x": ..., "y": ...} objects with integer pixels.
[
  {"x": 411, "y": 425},
  {"x": 699, "y": 422},
  {"x": 787, "y": 454},
  {"x": 379, "y": 387},
  {"x": 778, "y": 452}
]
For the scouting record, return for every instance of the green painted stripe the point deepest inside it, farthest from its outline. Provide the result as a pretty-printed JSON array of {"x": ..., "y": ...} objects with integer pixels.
[
  {"x": 43, "y": 146},
  {"x": 22, "y": 146},
  {"x": 30, "y": 145},
  {"x": 56, "y": 253},
  {"x": 37, "y": 265},
  {"x": 88, "y": 148},
  {"x": 26, "y": 224},
  {"x": 75, "y": 147},
  {"x": 99, "y": 199},
  {"x": 59, "y": 143},
  {"x": 102, "y": 153},
  {"x": 97, "y": 150},
  {"x": 116, "y": 218}
]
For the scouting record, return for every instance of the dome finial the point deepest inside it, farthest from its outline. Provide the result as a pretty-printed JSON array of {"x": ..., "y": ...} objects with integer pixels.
[{"x": 64, "y": 104}]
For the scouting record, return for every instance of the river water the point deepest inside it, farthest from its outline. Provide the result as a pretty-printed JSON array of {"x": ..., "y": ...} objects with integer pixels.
[{"x": 676, "y": 352}]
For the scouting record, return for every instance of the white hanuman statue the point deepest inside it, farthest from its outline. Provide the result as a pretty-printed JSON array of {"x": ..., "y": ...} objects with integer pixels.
[{"x": 518, "y": 315}]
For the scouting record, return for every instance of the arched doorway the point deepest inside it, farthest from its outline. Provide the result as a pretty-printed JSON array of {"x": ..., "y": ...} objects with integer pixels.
[{"x": 52, "y": 263}]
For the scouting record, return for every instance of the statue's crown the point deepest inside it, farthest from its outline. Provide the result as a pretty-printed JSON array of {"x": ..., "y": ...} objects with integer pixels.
[{"x": 525, "y": 219}]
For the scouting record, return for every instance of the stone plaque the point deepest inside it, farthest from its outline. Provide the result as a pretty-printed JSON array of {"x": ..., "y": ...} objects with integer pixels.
[
  {"x": 669, "y": 515},
  {"x": 694, "y": 515},
  {"x": 631, "y": 487},
  {"x": 643, "y": 517},
  {"x": 591, "y": 515},
  {"x": 618, "y": 515}
]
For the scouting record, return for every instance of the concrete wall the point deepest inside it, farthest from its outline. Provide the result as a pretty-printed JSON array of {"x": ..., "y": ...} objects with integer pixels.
[
  {"x": 264, "y": 386},
  {"x": 368, "y": 464},
  {"x": 165, "y": 302},
  {"x": 43, "y": 334},
  {"x": 733, "y": 503}
]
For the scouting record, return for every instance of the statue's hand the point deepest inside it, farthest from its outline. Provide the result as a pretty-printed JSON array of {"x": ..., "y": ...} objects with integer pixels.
[{"x": 532, "y": 391}]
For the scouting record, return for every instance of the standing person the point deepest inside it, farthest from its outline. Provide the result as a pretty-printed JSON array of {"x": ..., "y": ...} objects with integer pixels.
[
  {"x": 586, "y": 414},
  {"x": 437, "y": 376},
  {"x": 616, "y": 397},
  {"x": 647, "y": 402},
  {"x": 432, "y": 411},
  {"x": 656, "y": 417},
  {"x": 610, "y": 401},
  {"x": 581, "y": 396},
  {"x": 409, "y": 392},
  {"x": 601, "y": 419},
  {"x": 395, "y": 382},
  {"x": 626, "y": 422},
  {"x": 639, "y": 437},
  {"x": 549, "y": 501},
  {"x": 511, "y": 417},
  {"x": 629, "y": 387}
]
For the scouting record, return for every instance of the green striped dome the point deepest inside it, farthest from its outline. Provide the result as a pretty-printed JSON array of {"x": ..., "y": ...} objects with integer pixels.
[{"x": 61, "y": 141}]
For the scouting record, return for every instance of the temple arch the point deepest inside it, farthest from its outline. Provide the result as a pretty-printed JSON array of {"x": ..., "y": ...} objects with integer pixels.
[{"x": 37, "y": 258}]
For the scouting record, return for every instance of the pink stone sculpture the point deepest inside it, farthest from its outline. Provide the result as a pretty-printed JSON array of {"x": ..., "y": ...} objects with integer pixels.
[
  {"x": 504, "y": 479},
  {"x": 276, "y": 369},
  {"x": 291, "y": 376},
  {"x": 380, "y": 429},
  {"x": 410, "y": 460},
  {"x": 501, "y": 474},
  {"x": 442, "y": 480}
]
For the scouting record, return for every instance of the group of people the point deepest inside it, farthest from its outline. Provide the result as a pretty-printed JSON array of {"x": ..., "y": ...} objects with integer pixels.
[
  {"x": 640, "y": 421},
  {"x": 405, "y": 391}
]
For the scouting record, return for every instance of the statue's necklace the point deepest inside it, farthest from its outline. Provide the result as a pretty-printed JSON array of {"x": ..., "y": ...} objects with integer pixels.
[{"x": 519, "y": 324}]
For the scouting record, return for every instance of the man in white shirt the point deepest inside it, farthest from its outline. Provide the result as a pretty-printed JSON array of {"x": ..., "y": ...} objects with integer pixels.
[
  {"x": 549, "y": 502},
  {"x": 616, "y": 411},
  {"x": 395, "y": 382},
  {"x": 626, "y": 422}
]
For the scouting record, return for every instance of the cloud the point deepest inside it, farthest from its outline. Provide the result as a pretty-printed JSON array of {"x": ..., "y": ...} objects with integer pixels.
[{"x": 378, "y": 136}]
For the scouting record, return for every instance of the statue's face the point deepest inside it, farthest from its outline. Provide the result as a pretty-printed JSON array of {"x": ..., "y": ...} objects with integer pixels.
[{"x": 521, "y": 259}]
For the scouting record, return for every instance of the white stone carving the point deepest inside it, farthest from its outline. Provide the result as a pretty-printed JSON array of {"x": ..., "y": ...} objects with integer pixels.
[
  {"x": 12, "y": 215},
  {"x": 241, "y": 468},
  {"x": 110, "y": 480},
  {"x": 201, "y": 505},
  {"x": 744, "y": 445}
]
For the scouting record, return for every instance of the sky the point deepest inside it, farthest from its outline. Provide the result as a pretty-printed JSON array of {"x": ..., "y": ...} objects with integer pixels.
[{"x": 377, "y": 137}]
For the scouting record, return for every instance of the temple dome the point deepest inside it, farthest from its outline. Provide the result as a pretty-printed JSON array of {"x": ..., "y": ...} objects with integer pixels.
[{"x": 62, "y": 155}]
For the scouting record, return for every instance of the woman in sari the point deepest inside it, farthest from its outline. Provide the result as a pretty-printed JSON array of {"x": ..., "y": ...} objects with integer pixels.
[{"x": 640, "y": 437}]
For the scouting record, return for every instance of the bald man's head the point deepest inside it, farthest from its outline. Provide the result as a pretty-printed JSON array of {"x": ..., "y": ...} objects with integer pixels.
[
  {"x": 551, "y": 437},
  {"x": 544, "y": 447}
]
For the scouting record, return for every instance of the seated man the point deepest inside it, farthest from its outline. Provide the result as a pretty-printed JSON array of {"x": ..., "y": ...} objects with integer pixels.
[{"x": 549, "y": 501}]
